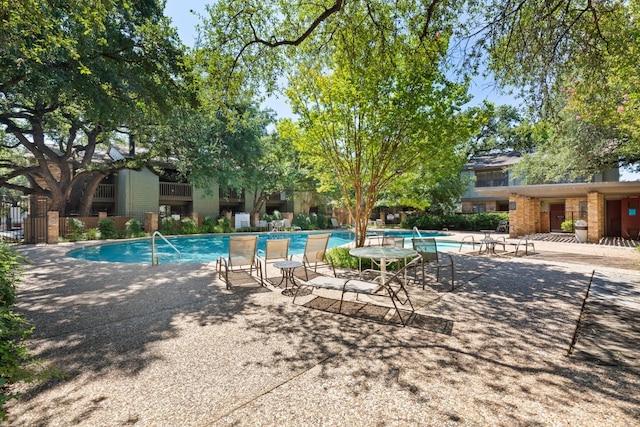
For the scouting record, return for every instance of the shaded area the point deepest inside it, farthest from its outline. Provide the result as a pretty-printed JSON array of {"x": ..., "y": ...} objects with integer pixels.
[{"x": 169, "y": 345}]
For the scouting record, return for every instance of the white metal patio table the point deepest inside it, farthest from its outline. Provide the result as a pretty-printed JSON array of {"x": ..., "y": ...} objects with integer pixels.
[{"x": 382, "y": 255}]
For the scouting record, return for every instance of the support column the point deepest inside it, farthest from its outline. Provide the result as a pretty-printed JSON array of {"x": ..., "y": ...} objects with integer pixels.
[
  {"x": 150, "y": 222},
  {"x": 53, "y": 227},
  {"x": 524, "y": 215},
  {"x": 595, "y": 217}
]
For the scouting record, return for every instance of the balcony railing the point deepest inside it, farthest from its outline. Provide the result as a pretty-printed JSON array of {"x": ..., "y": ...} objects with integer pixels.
[
  {"x": 105, "y": 192},
  {"x": 175, "y": 191}
]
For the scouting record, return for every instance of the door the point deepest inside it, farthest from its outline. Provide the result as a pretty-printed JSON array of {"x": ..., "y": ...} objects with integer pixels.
[
  {"x": 556, "y": 216},
  {"x": 614, "y": 218}
]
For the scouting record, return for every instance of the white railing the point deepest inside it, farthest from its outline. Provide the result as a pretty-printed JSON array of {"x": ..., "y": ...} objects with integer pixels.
[
  {"x": 416, "y": 232},
  {"x": 156, "y": 260}
]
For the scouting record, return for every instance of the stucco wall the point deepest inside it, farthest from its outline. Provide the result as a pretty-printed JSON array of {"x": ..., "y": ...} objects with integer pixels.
[{"x": 206, "y": 205}]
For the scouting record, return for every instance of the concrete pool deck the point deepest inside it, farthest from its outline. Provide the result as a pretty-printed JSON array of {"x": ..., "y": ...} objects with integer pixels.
[{"x": 169, "y": 345}]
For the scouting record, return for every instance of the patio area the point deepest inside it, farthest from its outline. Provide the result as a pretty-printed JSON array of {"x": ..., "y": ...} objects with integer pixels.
[{"x": 169, "y": 345}]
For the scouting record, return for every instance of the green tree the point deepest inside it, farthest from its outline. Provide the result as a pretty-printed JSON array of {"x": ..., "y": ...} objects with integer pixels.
[
  {"x": 73, "y": 76},
  {"x": 378, "y": 108},
  {"x": 576, "y": 62}
]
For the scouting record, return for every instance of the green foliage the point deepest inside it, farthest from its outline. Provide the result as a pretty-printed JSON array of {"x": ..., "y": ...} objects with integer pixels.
[
  {"x": 209, "y": 225},
  {"x": 107, "y": 229},
  {"x": 188, "y": 226},
  {"x": 77, "y": 229},
  {"x": 73, "y": 74},
  {"x": 568, "y": 226},
  {"x": 340, "y": 257},
  {"x": 224, "y": 225},
  {"x": 302, "y": 221},
  {"x": 169, "y": 226},
  {"x": 470, "y": 222},
  {"x": 318, "y": 221},
  {"x": 16, "y": 362},
  {"x": 133, "y": 228},
  {"x": 93, "y": 234}
]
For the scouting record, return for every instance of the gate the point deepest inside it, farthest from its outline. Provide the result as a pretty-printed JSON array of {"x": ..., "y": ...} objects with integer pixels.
[
  {"x": 13, "y": 214},
  {"x": 36, "y": 224}
]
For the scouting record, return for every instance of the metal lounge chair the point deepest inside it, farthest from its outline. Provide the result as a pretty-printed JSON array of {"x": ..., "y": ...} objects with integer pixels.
[
  {"x": 393, "y": 287},
  {"x": 428, "y": 250},
  {"x": 315, "y": 250},
  {"x": 275, "y": 250},
  {"x": 242, "y": 255}
]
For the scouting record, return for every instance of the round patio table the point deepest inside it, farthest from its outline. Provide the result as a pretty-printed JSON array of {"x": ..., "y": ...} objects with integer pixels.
[{"x": 382, "y": 255}]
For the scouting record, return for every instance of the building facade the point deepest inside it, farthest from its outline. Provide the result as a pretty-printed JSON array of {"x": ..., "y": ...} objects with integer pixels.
[{"x": 611, "y": 208}]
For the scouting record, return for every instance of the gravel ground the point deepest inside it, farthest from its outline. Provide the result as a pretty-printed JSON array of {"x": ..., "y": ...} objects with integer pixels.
[{"x": 170, "y": 346}]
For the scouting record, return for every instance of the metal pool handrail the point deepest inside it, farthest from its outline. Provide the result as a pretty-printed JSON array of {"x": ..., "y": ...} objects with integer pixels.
[
  {"x": 416, "y": 232},
  {"x": 155, "y": 260}
]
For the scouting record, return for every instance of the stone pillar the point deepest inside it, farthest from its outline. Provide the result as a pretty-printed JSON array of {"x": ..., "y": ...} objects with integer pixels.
[
  {"x": 150, "y": 222},
  {"x": 595, "y": 217},
  {"x": 53, "y": 227}
]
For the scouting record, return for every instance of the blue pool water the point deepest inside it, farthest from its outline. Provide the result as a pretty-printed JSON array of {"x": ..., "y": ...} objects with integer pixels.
[{"x": 203, "y": 248}]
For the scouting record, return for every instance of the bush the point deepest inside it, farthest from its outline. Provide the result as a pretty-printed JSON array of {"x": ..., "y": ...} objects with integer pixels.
[
  {"x": 188, "y": 226},
  {"x": 340, "y": 257},
  {"x": 16, "y": 365},
  {"x": 133, "y": 228},
  {"x": 93, "y": 234},
  {"x": 169, "y": 226},
  {"x": 302, "y": 221},
  {"x": 224, "y": 225},
  {"x": 468, "y": 222},
  {"x": 77, "y": 229},
  {"x": 209, "y": 225},
  {"x": 568, "y": 226},
  {"x": 107, "y": 229}
]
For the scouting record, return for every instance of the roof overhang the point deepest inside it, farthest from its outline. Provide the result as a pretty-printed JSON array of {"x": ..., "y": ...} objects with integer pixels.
[{"x": 619, "y": 189}]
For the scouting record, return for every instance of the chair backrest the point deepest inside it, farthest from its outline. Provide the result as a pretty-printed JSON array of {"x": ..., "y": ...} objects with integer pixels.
[
  {"x": 276, "y": 249},
  {"x": 426, "y": 247},
  {"x": 334, "y": 223},
  {"x": 242, "y": 250},
  {"x": 286, "y": 223},
  {"x": 396, "y": 242},
  {"x": 315, "y": 248}
]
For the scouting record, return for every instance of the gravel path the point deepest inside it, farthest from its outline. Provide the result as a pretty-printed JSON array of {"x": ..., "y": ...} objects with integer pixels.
[{"x": 170, "y": 346}]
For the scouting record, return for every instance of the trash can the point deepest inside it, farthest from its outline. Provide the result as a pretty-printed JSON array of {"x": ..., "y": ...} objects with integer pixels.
[{"x": 580, "y": 227}]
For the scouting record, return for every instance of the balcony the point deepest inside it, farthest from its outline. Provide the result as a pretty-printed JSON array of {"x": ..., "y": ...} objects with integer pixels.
[
  {"x": 176, "y": 191},
  {"x": 105, "y": 193}
]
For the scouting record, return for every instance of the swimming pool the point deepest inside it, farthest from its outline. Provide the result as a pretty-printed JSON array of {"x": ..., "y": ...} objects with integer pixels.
[{"x": 204, "y": 248}]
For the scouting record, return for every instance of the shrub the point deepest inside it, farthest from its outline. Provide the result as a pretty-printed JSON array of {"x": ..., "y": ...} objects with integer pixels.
[
  {"x": 107, "y": 229},
  {"x": 169, "y": 226},
  {"x": 209, "y": 225},
  {"x": 77, "y": 229},
  {"x": 340, "y": 257},
  {"x": 302, "y": 221},
  {"x": 16, "y": 365},
  {"x": 469, "y": 222},
  {"x": 224, "y": 225},
  {"x": 188, "y": 226},
  {"x": 133, "y": 228},
  {"x": 93, "y": 234},
  {"x": 568, "y": 226}
]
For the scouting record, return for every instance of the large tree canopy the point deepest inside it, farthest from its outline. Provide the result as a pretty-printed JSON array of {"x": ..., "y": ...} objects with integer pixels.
[
  {"x": 377, "y": 109},
  {"x": 587, "y": 49},
  {"x": 72, "y": 75}
]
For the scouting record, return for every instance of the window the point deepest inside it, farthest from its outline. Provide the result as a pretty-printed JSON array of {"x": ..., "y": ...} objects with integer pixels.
[
  {"x": 493, "y": 178},
  {"x": 479, "y": 208},
  {"x": 584, "y": 211}
]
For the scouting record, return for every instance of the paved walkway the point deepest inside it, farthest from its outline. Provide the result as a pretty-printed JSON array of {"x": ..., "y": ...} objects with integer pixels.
[{"x": 169, "y": 345}]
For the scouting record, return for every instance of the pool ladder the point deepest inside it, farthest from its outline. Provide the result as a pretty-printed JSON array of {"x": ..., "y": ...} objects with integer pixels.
[
  {"x": 156, "y": 259},
  {"x": 416, "y": 232}
]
